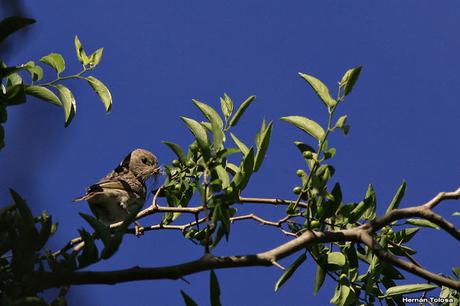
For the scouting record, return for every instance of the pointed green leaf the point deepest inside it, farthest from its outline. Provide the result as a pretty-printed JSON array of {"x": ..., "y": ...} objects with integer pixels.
[
  {"x": 209, "y": 113},
  {"x": 215, "y": 290},
  {"x": 397, "y": 198},
  {"x": 289, "y": 271},
  {"x": 102, "y": 91},
  {"x": 243, "y": 148},
  {"x": 81, "y": 54},
  {"x": 307, "y": 125},
  {"x": 177, "y": 150},
  {"x": 349, "y": 79},
  {"x": 422, "y": 222},
  {"x": 456, "y": 214},
  {"x": 241, "y": 110},
  {"x": 341, "y": 122},
  {"x": 319, "y": 279},
  {"x": 42, "y": 93},
  {"x": 187, "y": 299},
  {"x": 68, "y": 103},
  {"x": 320, "y": 89},
  {"x": 226, "y": 105},
  {"x": 405, "y": 289},
  {"x": 264, "y": 142},
  {"x": 200, "y": 134},
  {"x": 223, "y": 176},
  {"x": 95, "y": 58},
  {"x": 55, "y": 60}
]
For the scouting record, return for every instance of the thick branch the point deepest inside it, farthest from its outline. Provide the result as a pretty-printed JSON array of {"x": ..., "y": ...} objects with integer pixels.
[{"x": 47, "y": 280}]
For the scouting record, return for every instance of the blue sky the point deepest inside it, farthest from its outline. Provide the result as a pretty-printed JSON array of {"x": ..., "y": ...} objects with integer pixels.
[{"x": 404, "y": 116}]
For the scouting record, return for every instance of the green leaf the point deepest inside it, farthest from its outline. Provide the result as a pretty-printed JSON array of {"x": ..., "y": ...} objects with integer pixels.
[
  {"x": 405, "y": 289},
  {"x": 303, "y": 147},
  {"x": 422, "y": 222},
  {"x": 187, "y": 299},
  {"x": 307, "y": 125},
  {"x": 371, "y": 203},
  {"x": 27, "y": 218},
  {"x": 336, "y": 259},
  {"x": 10, "y": 25},
  {"x": 215, "y": 290},
  {"x": 397, "y": 198},
  {"x": 223, "y": 176},
  {"x": 36, "y": 72},
  {"x": 321, "y": 90},
  {"x": 95, "y": 58},
  {"x": 209, "y": 113},
  {"x": 68, "y": 103},
  {"x": 264, "y": 142},
  {"x": 101, "y": 229},
  {"x": 55, "y": 60},
  {"x": 90, "y": 253},
  {"x": 226, "y": 105},
  {"x": 341, "y": 122},
  {"x": 456, "y": 214},
  {"x": 42, "y": 93},
  {"x": 289, "y": 271},
  {"x": 81, "y": 54},
  {"x": 319, "y": 279},
  {"x": 243, "y": 148},
  {"x": 177, "y": 150},
  {"x": 349, "y": 79},
  {"x": 241, "y": 110},
  {"x": 102, "y": 91},
  {"x": 200, "y": 134}
]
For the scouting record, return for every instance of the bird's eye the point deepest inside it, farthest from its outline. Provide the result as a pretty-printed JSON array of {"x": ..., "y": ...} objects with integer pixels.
[{"x": 145, "y": 160}]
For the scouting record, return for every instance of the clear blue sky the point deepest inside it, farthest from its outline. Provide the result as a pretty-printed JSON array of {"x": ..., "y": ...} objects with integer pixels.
[{"x": 404, "y": 114}]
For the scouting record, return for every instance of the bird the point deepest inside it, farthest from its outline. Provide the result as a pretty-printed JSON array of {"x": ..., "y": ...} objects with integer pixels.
[{"x": 123, "y": 190}]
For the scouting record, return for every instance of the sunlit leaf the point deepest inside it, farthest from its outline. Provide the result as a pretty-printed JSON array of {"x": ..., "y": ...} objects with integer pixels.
[
  {"x": 55, "y": 60},
  {"x": 320, "y": 89},
  {"x": 264, "y": 142},
  {"x": 81, "y": 54},
  {"x": 43, "y": 93},
  {"x": 422, "y": 222},
  {"x": 397, "y": 198},
  {"x": 405, "y": 289},
  {"x": 102, "y": 91},
  {"x": 243, "y": 148},
  {"x": 177, "y": 150},
  {"x": 241, "y": 110},
  {"x": 200, "y": 134},
  {"x": 68, "y": 103},
  {"x": 349, "y": 79},
  {"x": 307, "y": 125}
]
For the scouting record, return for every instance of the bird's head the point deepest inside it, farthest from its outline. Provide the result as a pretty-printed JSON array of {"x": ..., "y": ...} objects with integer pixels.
[{"x": 141, "y": 163}]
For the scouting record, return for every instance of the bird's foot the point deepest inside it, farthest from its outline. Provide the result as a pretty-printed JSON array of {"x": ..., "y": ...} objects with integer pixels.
[{"x": 138, "y": 230}]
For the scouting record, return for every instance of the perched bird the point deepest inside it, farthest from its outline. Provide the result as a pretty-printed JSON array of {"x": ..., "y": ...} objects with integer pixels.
[{"x": 122, "y": 190}]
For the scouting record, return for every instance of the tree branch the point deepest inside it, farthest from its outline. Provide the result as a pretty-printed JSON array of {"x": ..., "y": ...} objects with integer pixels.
[{"x": 45, "y": 280}]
